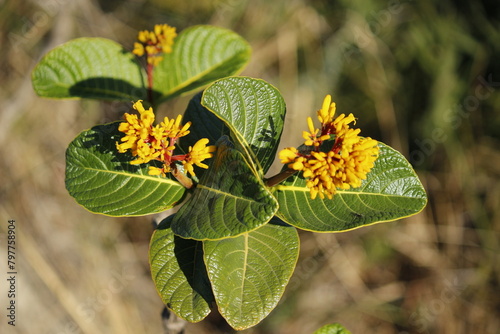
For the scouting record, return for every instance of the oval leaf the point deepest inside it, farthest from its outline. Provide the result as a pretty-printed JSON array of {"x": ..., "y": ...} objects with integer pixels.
[
  {"x": 254, "y": 111},
  {"x": 391, "y": 191},
  {"x": 179, "y": 273},
  {"x": 228, "y": 201},
  {"x": 332, "y": 329},
  {"x": 103, "y": 181},
  {"x": 95, "y": 68},
  {"x": 249, "y": 273},
  {"x": 200, "y": 55}
]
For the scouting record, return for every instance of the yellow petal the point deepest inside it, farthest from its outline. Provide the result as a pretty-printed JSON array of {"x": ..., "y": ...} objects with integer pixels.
[
  {"x": 138, "y": 49},
  {"x": 326, "y": 103},
  {"x": 154, "y": 170},
  {"x": 138, "y": 106},
  {"x": 200, "y": 144},
  {"x": 310, "y": 124}
]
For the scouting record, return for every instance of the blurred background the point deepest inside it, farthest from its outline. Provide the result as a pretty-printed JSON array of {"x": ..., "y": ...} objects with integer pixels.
[{"x": 422, "y": 76}]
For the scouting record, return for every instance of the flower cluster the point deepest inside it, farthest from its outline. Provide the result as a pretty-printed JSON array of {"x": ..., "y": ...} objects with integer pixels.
[
  {"x": 157, "y": 142},
  {"x": 342, "y": 162},
  {"x": 153, "y": 43}
]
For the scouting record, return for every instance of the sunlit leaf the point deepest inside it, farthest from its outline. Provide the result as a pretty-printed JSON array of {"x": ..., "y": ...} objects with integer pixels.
[
  {"x": 391, "y": 191},
  {"x": 95, "y": 68},
  {"x": 200, "y": 55},
  {"x": 332, "y": 329},
  {"x": 254, "y": 111},
  {"x": 98, "y": 68},
  {"x": 249, "y": 273},
  {"x": 179, "y": 273},
  {"x": 103, "y": 180},
  {"x": 228, "y": 201}
]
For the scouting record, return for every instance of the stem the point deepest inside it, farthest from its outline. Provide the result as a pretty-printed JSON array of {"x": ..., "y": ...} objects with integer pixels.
[
  {"x": 182, "y": 178},
  {"x": 278, "y": 178}
]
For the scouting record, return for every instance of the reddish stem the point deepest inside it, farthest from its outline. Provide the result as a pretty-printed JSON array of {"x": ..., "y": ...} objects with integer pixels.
[
  {"x": 280, "y": 177},
  {"x": 182, "y": 178}
]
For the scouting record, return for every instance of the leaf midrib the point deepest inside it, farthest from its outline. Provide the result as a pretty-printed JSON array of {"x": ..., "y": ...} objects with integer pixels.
[
  {"x": 245, "y": 262},
  {"x": 195, "y": 78},
  {"x": 294, "y": 189},
  {"x": 217, "y": 191},
  {"x": 137, "y": 176}
]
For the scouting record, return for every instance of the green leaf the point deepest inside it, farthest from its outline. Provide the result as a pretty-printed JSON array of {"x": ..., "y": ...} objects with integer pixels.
[
  {"x": 103, "y": 181},
  {"x": 254, "y": 111},
  {"x": 204, "y": 124},
  {"x": 332, "y": 329},
  {"x": 179, "y": 273},
  {"x": 249, "y": 273},
  {"x": 228, "y": 201},
  {"x": 391, "y": 191},
  {"x": 99, "y": 68},
  {"x": 200, "y": 55},
  {"x": 95, "y": 68}
]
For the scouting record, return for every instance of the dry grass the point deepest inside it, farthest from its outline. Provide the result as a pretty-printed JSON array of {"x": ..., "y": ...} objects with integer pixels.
[{"x": 437, "y": 272}]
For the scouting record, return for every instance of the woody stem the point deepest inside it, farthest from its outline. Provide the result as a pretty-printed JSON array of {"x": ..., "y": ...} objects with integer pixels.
[
  {"x": 182, "y": 178},
  {"x": 280, "y": 177}
]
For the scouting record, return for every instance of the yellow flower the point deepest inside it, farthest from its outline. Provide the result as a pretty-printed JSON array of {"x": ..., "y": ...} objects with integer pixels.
[
  {"x": 147, "y": 116},
  {"x": 136, "y": 129},
  {"x": 159, "y": 171},
  {"x": 173, "y": 129},
  {"x": 311, "y": 137},
  {"x": 197, "y": 153},
  {"x": 288, "y": 155},
  {"x": 347, "y": 162},
  {"x": 138, "y": 49},
  {"x": 154, "y": 43},
  {"x": 327, "y": 111},
  {"x": 157, "y": 142},
  {"x": 165, "y": 35}
]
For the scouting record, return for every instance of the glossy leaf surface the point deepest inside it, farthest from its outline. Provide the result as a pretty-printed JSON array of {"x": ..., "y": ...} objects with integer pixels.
[
  {"x": 391, "y": 191},
  {"x": 249, "y": 273},
  {"x": 95, "y": 68},
  {"x": 200, "y": 55},
  {"x": 204, "y": 124},
  {"x": 103, "y": 181},
  {"x": 179, "y": 273},
  {"x": 229, "y": 199},
  {"x": 98, "y": 68},
  {"x": 254, "y": 111}
]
